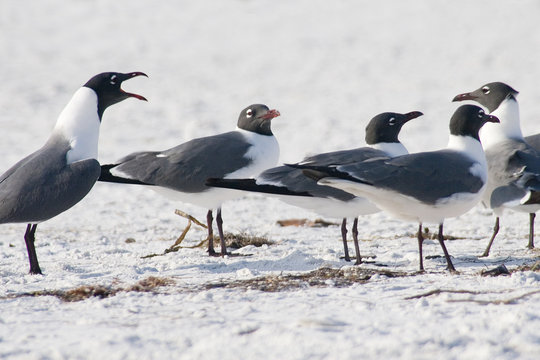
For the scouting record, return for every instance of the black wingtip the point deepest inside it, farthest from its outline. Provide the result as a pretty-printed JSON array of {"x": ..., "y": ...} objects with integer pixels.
[
  {"x": 106, "y": 173},
  {"x": 107, "y": 176},
  {"x": 317, "y": 173},
  {"x": 251, "y": 185},
  {"x": 213, "y": 182}
]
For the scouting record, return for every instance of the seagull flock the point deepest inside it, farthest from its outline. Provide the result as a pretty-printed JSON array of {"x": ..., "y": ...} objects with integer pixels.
[{"x": 487, "y": 160}]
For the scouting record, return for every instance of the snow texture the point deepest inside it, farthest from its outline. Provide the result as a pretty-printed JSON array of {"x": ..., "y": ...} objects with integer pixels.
[{"x": 328, "y": 67}]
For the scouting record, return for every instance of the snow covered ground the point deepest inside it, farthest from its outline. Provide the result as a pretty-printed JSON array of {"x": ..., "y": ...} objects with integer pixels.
[{"x": 328, "y": 66}]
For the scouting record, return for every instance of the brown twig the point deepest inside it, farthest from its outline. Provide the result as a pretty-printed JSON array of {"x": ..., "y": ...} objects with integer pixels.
[
  {"x": 472, "y": 292},
  {"x": 176, "y": 246},
  {"x": 440, "y": 291},
  {"x": 498, "y": 302}
]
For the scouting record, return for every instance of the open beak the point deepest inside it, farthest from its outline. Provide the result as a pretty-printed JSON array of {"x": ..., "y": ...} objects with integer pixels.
[
  {"x": 270, "y": 114},
  {"x": 131, "y": 76},
  {"x": 465, "y": 96}
]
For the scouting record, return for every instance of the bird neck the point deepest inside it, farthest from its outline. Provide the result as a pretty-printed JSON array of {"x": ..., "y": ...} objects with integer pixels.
[
  {"x": 393, "y": 149},
  {"x": 468, "y": 146},
  {"x": 79, "y": 124},
  {"x": 509, "y": 127}
]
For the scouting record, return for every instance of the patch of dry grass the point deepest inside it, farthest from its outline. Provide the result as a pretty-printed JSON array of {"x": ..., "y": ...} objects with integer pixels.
[
  {"x": 234, "y": 241},
  {"x": 84, "y": 292},
  {"x": 237, "y": 241},
  {"x": 323, "y": 277},
  {"x": 528, "y": 267}
]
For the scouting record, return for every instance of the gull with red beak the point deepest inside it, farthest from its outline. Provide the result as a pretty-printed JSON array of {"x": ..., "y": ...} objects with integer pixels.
[
  {"x": 291, "y": 186},
  {"x": 61, "y": 173},
  {"x": 514, "y": 165},
  {"x": 180, "y": 172}
]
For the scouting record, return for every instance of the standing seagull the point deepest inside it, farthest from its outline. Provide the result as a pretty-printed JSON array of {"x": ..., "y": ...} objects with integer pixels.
[
  {"x": 61, "y": 173},
  {"x": 181, "y": 172},
  {"x": 423, "y": 187},
  {"x": 291, "y": 186},
  {"x": 514, "y": 165}
]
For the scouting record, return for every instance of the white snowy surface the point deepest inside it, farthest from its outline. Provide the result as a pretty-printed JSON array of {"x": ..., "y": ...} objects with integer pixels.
[{"x": 328, "y": 67}]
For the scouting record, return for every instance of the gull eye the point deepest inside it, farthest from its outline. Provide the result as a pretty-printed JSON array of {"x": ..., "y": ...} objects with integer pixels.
[
  {"x": 392, "y": 121},
  {"x": 113, "y": 80},
  {"x": 249, "y": 113},
  {"x": 481, "y": 114},
  {"x": 486, "y": 90}
]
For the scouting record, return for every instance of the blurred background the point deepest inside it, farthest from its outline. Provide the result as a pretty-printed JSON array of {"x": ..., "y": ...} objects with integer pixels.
[{"x": 328, "y": 66}]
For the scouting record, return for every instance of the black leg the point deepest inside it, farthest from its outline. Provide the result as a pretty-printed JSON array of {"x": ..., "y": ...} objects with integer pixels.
[
  {"x": 344, "y": 238},
  {"x": 219, "y": 222},
  {"x": 446, "y": 255},
  {"x": 29, "y": 239},
  {"x": 355, "y": 239},
  {"x": 531, "y": 230},
  {"x": 420, "y": 242},
  {"x": 495, "y": 231},
  {"x": 209, "y": 219}
]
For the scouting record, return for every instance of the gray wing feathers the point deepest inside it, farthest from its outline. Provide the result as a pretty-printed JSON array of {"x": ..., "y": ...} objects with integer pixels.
[
  {"x": 39, "y": 188},
  {"x": 514, "y": 170},
  {"x": 294, "y": 180},
  {"x": 344, "y": 157},
  {"x": 427, "y": 177},
  {"x": 187, "y": 166},
  {"x": 511, "y": 160},
  {"x": 534, "y": 141},
  {"x": 505, "y": 194}
]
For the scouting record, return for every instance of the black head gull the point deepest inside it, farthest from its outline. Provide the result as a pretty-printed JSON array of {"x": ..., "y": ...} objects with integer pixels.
[
  {"x": 291, "y": 186},
  {"x": 181, "y": 172},
  {"x": 61, "y": 173},
  {"x": 422, "y": 187},
  {"x": 514, "y": 165}
]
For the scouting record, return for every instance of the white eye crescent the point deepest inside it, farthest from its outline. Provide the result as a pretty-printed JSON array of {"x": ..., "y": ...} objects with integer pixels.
[
  {"x": 392, "y": 121},
  {"x": 113, "y": 80},
  {"x": 486, "y": 90},
  {"x": 481, "y": 113},
  {"x": 249, "y": 113}
]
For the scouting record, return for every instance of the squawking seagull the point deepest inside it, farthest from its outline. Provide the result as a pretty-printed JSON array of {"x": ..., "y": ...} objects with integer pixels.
[{"x": 61, "y": 173}]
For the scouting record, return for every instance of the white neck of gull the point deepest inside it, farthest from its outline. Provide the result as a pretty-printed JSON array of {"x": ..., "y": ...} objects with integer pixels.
[
  {"x": 392, "y": 149},
  {"x": 509, "y": 128},
  {"x": 468, "y": 146},
  {"x": 79, "y": 125}
]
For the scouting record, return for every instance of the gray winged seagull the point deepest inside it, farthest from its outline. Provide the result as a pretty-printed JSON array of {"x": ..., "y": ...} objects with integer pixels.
[
  {"x": 61, "y": 173},
  {"x": 291, "y": 186},
  {"x": 180, "y": 172},
  {"x": 514, "y": 165},
  {"x": 534, "y": 141},
  {"x": 422, "y": 187}
]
